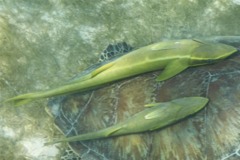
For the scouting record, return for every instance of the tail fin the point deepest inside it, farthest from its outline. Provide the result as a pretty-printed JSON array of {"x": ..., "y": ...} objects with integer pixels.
[{"x": 21, "y": 99}]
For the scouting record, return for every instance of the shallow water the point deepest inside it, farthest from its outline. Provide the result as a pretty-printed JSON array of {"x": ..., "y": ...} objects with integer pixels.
[{"x": 45, "y": 43}]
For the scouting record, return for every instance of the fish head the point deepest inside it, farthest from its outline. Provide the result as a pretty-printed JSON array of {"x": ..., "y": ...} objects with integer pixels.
[
  {"x": 177, "y": 108},
  {"x": 187, "y": 106},
  {"x": 208, "y": 53},
  {"x": 163, "y": 114}
]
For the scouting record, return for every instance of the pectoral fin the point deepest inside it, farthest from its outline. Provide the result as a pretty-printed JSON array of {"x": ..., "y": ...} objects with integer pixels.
[
  {"x": 158, "y": 111},
  {"x": 154, "y": 114},
  {"x": 172, "y": 69}
]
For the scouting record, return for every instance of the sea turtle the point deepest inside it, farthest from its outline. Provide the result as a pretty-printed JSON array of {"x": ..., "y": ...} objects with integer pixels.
[{"x": 212, "y": 133}]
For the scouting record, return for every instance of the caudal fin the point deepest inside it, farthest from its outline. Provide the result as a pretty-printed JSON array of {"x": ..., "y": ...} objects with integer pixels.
[{"x": 21, "y": 99}]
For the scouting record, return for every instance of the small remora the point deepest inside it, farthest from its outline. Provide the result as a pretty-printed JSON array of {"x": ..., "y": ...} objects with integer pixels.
[{"x": 158, "y": 115}]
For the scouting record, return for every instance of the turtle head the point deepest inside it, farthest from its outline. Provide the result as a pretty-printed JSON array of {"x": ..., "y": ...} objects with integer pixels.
[{"x": 210, "y": 53}]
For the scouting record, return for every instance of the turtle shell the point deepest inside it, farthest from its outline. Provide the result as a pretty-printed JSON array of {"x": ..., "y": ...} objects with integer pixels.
[{"x": 212, "y": 133}]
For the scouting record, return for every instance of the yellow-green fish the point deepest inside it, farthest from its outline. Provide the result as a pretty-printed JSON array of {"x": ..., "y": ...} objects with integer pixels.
[
  {"x": 171, "y": 56},
  {"x": 156, "y": 116}
]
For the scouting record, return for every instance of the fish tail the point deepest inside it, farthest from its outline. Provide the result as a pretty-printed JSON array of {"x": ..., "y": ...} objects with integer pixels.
[
  {"x": 23, "y": 99},
  {"x": 82, "y": 137},
  {"x": 29, "y": 97},
  {"x": 104, "y": 133},
  {"x": 52, "y": 142}
]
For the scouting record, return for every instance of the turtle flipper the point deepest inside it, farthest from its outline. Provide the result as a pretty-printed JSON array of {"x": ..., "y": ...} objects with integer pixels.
[{"x": 115, "y": 50}]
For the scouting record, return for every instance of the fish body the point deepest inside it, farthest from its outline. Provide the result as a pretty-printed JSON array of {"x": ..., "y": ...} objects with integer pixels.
[
  {"x": 156, "y": 116},
  {"x": 171, "y": 56}
]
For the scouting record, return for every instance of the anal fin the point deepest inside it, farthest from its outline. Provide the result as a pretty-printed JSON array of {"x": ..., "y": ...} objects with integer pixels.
[{"x": 102, "y": 68}]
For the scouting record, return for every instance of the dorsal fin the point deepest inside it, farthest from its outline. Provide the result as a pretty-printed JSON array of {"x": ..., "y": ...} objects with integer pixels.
[{"x": 112, "y": 52}]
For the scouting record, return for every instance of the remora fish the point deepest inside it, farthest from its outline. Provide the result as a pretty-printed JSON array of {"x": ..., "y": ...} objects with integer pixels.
[
  {"x": 155, "y": 117},
  {"x": 171, "y": 56}
]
